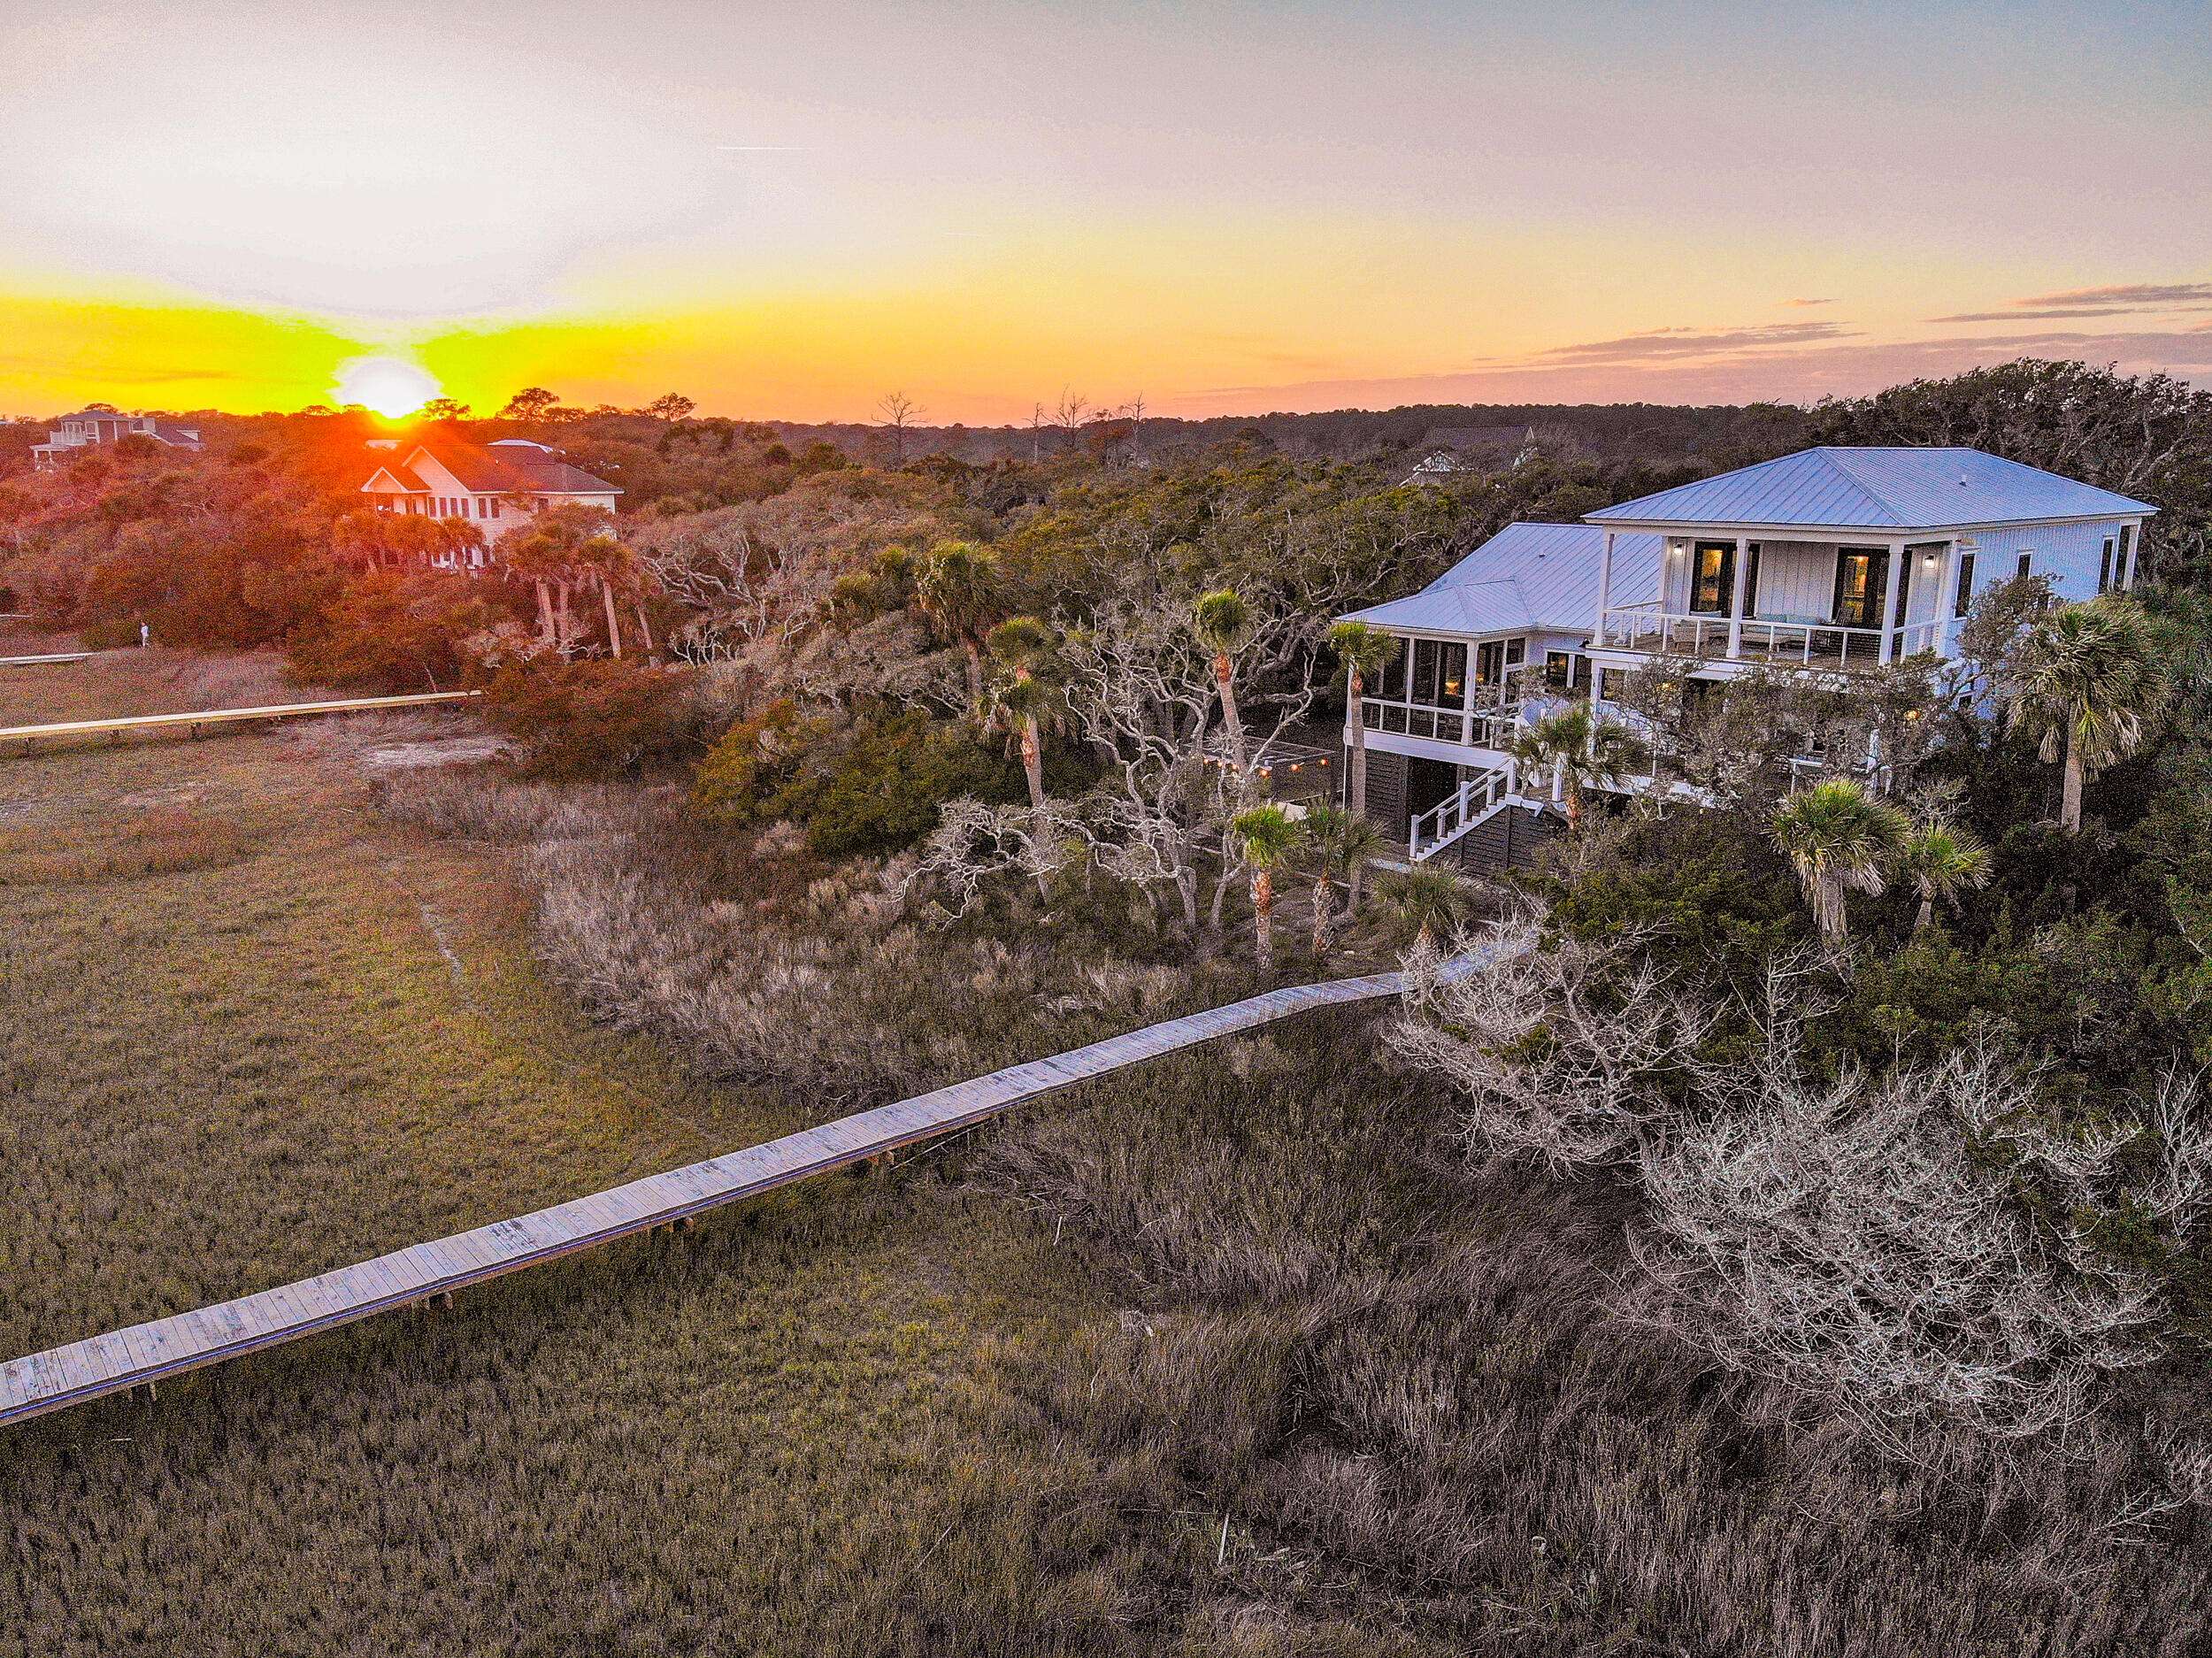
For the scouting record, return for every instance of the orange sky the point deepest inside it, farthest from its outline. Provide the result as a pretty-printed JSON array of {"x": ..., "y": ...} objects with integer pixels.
[{"x": 1223, "y": 207}]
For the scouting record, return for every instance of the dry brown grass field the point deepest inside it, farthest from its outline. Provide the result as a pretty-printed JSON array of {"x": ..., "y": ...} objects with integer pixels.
[{"x": 1233, "y": 1354}]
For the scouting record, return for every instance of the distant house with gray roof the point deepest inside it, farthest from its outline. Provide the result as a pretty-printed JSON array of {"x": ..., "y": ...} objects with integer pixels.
[{"x": 92, "y": 427}]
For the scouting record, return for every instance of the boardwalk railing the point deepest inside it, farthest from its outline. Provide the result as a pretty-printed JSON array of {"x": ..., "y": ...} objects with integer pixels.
[
  {"x": 148, "y": 1353},
  {"x": 193, "y": 720}
]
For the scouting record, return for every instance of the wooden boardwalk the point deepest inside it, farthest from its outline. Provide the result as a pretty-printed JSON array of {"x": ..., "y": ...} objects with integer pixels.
[
  {"x": 28, "y": 735},
  {"x": 148, "y": 1353},
  {"x": 55, "y": 656}
]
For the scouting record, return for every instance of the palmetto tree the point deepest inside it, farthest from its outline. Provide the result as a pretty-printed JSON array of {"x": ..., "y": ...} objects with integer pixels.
[
  {"x": 958, "y": 590},
  {"x": 2089, "y": 679},
  {"x": 1941, "y": 861},
  {"x": 1580, "y": 751},
  {"x": 1022, "y": 646},
  {"x": 1222, "y": 622},
  {"x": 1265, "y": 835},
  {"x": 1429, "y": 901},
  {"x": 1365, "y": 652},
  {"x": 1342, "y": 841},
  {"x": 1839, "y": 840}
]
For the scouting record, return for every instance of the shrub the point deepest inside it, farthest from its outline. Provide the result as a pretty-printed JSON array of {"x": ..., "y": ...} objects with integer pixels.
[{"x": 602, "y": 719}]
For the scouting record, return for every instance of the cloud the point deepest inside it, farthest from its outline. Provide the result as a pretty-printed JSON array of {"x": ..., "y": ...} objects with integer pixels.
[
  {"x": 1812, "y": 302},
  {"x": 2115, "y": 300},
  {"x": 1680, "y": 343},
  {"x": 1815, "y": 368},
  {"x": 2130, "y": 294}
]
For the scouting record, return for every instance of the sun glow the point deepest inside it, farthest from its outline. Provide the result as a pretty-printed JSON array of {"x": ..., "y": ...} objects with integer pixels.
[{"x": 391, "y": 386}]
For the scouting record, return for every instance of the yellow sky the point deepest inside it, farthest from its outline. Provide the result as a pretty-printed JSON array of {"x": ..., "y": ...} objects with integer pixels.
[{"x": 1222, "y": 206}]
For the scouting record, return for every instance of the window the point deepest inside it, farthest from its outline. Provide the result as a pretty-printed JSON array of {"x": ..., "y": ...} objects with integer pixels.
[
  {"x": 2104, "y": 566},
  {"x": 495, "y": 506},
  {"x": 1489, "y": 662},
  {"x": 1425, "y": 674},
  {"x": 2126, "y": 570},
  {"x": 1390, "y": 684},
  {"x": 1862, "y": 572},
  {"x": 1453, "y": 673},
  {"x": 1965, "y": 602},
  {"x": 1751, "y": 580},
  {"x": 1559, "y": 670},
  {"x": 1712, "y": 578},
  {"x": 1516, "y": 652},
  {"x": 2027, "y": 563}
]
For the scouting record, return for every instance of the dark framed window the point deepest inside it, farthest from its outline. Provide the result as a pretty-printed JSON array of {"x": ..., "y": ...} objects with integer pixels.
[
  {"x": 1712, "y": 577},
  {"x": 1390, "y": 684},
  {"x": 1453, "y": 671},
  {"x": 1516, "y": 652},
  {"x": 1425, "y": 676},
  {"x": 1489, "y": 663},
  {"x": 2027, "y": 565},
  {"x": 1862, "y": 573},
  {"x": 1751, "y": 580},
  {"x": 2127, "y": 556},
  {"x": 1965, "y": 602},
  {"x": 1559, "y": 670},
  {"x": 2104, "y": 566}
]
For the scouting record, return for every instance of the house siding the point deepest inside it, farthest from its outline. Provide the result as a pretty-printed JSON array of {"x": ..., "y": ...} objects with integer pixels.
[{"x": 2070, "y": 554}]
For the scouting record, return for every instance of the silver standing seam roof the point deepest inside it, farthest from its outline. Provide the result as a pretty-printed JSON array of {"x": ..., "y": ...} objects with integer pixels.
[
  {"x": 1878, "y": 489},
  {"x": 1528, "y": 577}
]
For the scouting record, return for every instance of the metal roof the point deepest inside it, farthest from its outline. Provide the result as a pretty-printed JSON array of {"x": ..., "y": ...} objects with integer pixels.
[
  {"x": 1528, "y": 577},
  {"x": 1878, "y": 489},
  {"x": 481, "y": 472}
]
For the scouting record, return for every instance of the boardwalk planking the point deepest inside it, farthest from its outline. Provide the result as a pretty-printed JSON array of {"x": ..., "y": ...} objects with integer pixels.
[
  {"x": 29, "y": 734},
  {"x": 142, "y": 1354},
  {"x": 34, "y": 661}
]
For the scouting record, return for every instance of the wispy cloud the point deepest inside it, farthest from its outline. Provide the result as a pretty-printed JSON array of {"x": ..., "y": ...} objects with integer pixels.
[
  {"x": 1813, "y": 367},
  {"x": 1812, "y": 302},
  {"x": 1667, "y": 344},
  {"x": 2119, "y": 299}
]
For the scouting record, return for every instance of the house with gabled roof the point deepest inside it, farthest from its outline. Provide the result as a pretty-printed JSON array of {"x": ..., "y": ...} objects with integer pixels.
[
  {"x": 1830, "y": 562},
  {"x": 89, "y": 429},
  {"x": 499, "y": 486}
]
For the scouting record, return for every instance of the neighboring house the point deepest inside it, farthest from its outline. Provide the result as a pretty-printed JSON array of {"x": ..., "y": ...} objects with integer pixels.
[
  {"x": 91, "y": 427},
  {"x": 500, "y": 486},
  {"x": 1831, "y": 560}
]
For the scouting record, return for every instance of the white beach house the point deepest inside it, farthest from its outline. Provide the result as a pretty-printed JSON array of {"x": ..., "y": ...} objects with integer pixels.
[{"x": 1831, "y": 560}]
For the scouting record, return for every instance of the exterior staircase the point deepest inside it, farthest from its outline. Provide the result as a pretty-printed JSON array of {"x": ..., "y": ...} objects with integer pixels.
[{"x": 1480, "y": 798}]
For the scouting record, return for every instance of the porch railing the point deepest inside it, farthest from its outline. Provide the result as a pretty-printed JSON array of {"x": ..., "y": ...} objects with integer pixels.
[
  {"x": 1461, "y": 810},
  {"x": 1808, "y": 644},
  {"x": 1487, "y": 728}
]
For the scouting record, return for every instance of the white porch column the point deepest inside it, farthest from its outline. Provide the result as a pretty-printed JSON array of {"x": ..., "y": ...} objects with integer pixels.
[
  {"x": 1605, "y": 586},
  {"x": 1891, "y": 585},
  {"x": 1947, "y": 597},
  {"x": 1742, "y": 572}
]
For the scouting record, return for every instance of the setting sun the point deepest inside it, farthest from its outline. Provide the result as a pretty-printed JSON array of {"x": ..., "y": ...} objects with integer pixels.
[{"x": 392, "y": 386}]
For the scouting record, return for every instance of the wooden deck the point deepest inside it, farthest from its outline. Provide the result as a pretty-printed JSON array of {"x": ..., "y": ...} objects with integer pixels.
[
  {"x": 28, "y": 735},
  {"x": 34, "y": 661},
  {"x": 148, "y": 1353}
]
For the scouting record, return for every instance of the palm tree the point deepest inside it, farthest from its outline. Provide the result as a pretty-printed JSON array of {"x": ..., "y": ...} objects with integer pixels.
[
  {"x": 2090, "y": 679},
  {"x": 1267, "y": 836},
  {"x": 1365, "y": 652},
  {"x": 1840, "y": 839},
  {"x": 1431, "y": 901},
  {"x": 1342, "y": 843},
  {"x": 1942, "y": 860},
  {"x": 1023, "y": 645},
  {"x": 1580, "y": 751},
  {"x": 958, "y": 590},
  {"x": 1222, "y": 622}
]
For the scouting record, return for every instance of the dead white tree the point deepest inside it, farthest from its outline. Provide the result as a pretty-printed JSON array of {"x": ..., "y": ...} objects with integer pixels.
[
  {"x": 1559, "y": 1049},
  {"x": 1845, "y": 1237},
  {"x": 975, "y": 846}
]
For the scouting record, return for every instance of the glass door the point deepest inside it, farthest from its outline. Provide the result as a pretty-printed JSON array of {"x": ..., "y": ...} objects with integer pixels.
[{"x": 1862, "y": 573}]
